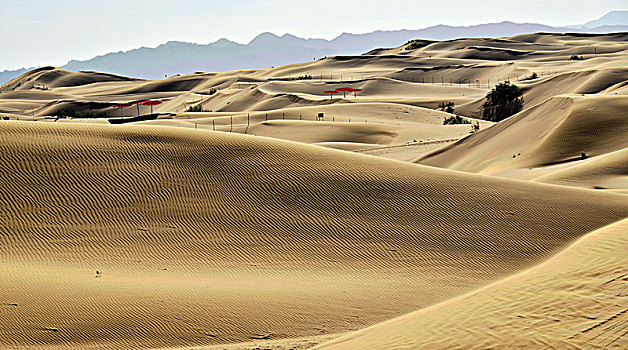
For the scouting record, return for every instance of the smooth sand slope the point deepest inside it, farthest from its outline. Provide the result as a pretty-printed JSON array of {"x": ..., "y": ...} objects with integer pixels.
[
  {"x": 609, "y": 171},
  {"x": 547, "y": 138},
  {"x": 348, "y": 126},
  {"x": 576, "y": 300},
  {"x": 139, "y": 236}
]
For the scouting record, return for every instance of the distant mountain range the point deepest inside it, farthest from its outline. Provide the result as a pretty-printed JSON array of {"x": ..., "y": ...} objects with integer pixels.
[
  {"x": 268, "y": 49},
  {"x": 612, "y": 18}
]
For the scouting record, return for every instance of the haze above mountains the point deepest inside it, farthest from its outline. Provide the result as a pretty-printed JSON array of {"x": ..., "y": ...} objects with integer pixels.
[{"x": 268, "y": 49}]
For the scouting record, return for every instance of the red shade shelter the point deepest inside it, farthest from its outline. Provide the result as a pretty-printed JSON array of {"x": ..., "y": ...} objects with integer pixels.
[
  {"x": 355, "y": 92},
  {"x": 331, "y": 93},
  {"x": 138, "y": 102},
  {"x": 121, "y": 106},
  {"x": 151, "y": 104},
  {"x": 344, "y": 91}
]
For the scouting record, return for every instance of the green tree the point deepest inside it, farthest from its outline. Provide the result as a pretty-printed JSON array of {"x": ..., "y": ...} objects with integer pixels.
[{"x": 503, "y": 101}]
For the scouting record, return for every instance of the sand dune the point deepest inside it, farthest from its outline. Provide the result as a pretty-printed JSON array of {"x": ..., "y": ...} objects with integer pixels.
[
  {"x": 203, "y": 237},
  {"x": 50, "y": 77},
  {"x": 609, "y": 171},
  {"x": 357, "y": 126},
  {"x": 571, "y": 301},
  {"x": 231, "y": 228},
  {"x": 419, "y": 74},
  {"x": 553, "y": 132}
]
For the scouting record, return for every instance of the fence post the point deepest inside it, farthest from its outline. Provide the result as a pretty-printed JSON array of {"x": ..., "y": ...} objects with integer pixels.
[{"x": 248, "y": 115}]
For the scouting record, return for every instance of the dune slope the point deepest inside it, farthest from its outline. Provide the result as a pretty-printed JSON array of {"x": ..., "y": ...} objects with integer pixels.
[
  {"x": 609, "y": 171},
  {"x": 576, "y": 300},
  {"x": 141, "y": 236},
  {"x": 555, "y": 131}
]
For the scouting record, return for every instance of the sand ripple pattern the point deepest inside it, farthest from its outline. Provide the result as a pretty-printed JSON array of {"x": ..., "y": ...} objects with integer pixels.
[{"x": 207, "y": 238}]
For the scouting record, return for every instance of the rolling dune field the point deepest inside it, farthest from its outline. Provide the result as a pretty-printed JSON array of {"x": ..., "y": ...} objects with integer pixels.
[{"x": 233, "y": 217}]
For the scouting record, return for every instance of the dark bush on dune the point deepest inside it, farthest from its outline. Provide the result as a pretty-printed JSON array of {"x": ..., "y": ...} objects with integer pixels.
[
  {"x": 503, "y": 101},
  {"x": 456, "y": 119},
  {"x": 417, "y": 44},
  {"x": 576, "y": 58},
  {"x": 197, "y": 108},
  {"x": 71, "y": 113},
  {"x": 304, "y": 77},
  {"x": 447, "y": 107}
]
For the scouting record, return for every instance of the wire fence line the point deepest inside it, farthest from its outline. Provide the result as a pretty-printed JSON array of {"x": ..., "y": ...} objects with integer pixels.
[{"x": 229, "y": 123}]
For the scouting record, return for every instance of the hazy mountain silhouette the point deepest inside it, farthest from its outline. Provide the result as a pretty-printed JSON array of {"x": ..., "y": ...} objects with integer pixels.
[
  {"x": 612, "y": 18},
  {"x": 267, "y": 49}
]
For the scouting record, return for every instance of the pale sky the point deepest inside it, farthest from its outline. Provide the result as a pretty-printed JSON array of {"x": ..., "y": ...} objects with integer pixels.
[{"x": 51, "y": 32}]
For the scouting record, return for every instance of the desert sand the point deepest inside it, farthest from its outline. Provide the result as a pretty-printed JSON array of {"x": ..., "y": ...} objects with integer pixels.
[
  {"x": 573, "y": 301},
  {"x": 254, "y": 224}
]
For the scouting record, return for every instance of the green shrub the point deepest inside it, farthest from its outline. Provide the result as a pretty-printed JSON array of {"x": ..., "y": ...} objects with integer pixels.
[
  {"x": 71, "y": 113},
  {"x": 455, "y": 119},
  {"x": 531, "y": 76},
  {"x": 197, "y": 108},
  {"x": 503, "y": 101},
  {"x": 576, "y": 58},
  {"x": 447, "y": 107}
]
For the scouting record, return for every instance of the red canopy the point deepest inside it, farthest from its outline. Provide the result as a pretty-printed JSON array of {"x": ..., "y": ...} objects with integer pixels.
[
  {"x": 151, "y": 103},
  {"x": 357, "y": 90},
  {"x": 345, "y": 89},
  {"x": 331, "y": 92},
  {"x": 122, "y": 105}
]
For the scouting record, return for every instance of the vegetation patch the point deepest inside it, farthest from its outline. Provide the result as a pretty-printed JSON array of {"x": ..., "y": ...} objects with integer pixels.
[
  {"x": 197, "y": 108},
  {"x": 447, "y": 107},
  {"x": 503, "y": 101},
  {"x": 456, "y": 119},
  {"x": 71, "y": 113}
]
